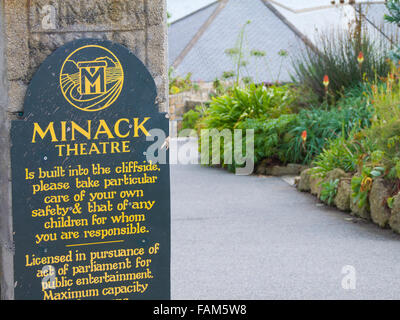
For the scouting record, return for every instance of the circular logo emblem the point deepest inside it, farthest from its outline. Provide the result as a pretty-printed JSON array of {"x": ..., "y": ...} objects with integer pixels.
[{"x": 91, "y": 78}]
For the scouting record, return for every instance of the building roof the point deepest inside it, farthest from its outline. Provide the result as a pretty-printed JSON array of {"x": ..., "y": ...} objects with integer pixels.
[
  {"x": 312, "y": 5},
  {"x": 198, "y": 41},
  {"x": 312, "y": 20},
  {"x": 183, "y": 30},
  {"x": 181, "y": 8},
  {"x": 374, "y": 14},
  {"x": 206, "y": 59}
]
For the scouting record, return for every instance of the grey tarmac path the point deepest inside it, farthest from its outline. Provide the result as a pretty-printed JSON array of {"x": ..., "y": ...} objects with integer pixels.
[{"x": 250, "y": 237}]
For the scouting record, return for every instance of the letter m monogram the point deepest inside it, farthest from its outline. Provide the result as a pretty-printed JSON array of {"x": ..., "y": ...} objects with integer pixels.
[{"x": 92, "y": 77}]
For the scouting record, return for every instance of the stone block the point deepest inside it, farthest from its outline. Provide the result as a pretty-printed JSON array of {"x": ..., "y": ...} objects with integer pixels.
[
  {"x": 262, "y": 166},
  {"x": 305, "y": 180},
  {"x": 156, "y": 12},
  {"x": 316, "y": 184},
  {"x": 394, "y": 220},
  {"x": 134, "y": 40},
  {"x": 17, "y": 35},
  {"x": 380, "y": 212},
  {"x": 335, "y": 174},
  {"x": 343, "y": 195},
  {"x": 16, "y": 96},
  {"x": 289, "y": 170},
  {"x": 87, "y": 15}
]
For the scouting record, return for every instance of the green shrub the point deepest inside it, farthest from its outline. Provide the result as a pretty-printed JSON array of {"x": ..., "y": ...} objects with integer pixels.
[
  {"x": 251, "y": 102},
  {"x": 252, "y": 107},
  {"x": 339, "y": 153},
  {"x": 269, "y": 136},
  {"x": 305, "y": 97},
  {"x": 375, "y": 146},
  {"x": 178, "y": 84},
  {"x": 190, "y": 119},
  {"x": 322, "y": 126},
  {"x": 279, "y": 132},
  {"x": 381, "y": 141},
  {"x": 385, "y": 138}
]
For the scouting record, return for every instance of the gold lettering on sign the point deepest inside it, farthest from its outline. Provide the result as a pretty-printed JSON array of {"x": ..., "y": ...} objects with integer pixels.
[{"x": 133, "y": 128}]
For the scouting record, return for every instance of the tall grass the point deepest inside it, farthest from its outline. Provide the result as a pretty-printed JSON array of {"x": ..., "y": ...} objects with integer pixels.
[{"x": 336, "y": 56}]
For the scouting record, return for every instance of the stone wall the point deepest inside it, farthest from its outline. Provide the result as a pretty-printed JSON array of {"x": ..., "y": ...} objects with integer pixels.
[
  {"x": 35, "y": 28},
  {"x": 30, "y": 30},
  {"x": 182, "y": 102}
]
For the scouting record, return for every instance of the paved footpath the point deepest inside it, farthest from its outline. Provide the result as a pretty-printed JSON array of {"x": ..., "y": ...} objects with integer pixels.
[{"x": 249, "y": 237}]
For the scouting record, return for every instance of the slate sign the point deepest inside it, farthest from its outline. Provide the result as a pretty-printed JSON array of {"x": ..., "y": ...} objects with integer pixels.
[{"x": 91, "y": 212}]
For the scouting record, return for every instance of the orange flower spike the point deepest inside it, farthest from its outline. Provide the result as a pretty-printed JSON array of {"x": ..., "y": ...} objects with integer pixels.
[
  {"x": 304, "y": 135},
  {"x": 360, "y": 58},
  {"x": 326, "y": 81}
]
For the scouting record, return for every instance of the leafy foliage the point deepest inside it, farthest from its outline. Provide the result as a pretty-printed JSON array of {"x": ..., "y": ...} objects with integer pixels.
[
  {"x": 251, "y": 102},
  {"x": 337, "y": 57},
  {"x": 380, "y": 141},
  {"x": 329, "y": 191},
  {"x": 323, "y": 125},
  {"x": 361, "y": 184},
  {"x": 339, "y": 153},
  {"x": 191, "y": 118},
  {"x": 178, "y": 84},
  {"x": 270, "y": 136},
  {"x": 252, "y": 107},
  {"x": 393, "y": 7},
  {"x": 279, "y": 131}
]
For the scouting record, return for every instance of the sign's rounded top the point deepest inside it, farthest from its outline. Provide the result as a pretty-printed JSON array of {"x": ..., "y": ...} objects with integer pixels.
[
  {"x": 88, "y": 77},
  {"x": 91, "y": 78}
]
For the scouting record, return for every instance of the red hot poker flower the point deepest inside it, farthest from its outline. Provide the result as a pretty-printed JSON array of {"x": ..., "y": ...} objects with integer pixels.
[
  {"x": 304, "y": 135},
  {"x": 326, "y": 81},
  {"x": 360, "y": 58}
]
